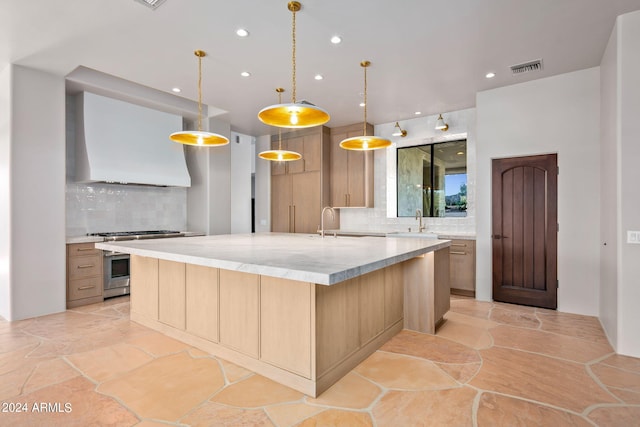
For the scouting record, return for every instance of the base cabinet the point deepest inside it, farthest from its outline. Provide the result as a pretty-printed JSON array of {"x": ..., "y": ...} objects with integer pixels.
[
  {"x": 84, "y": 274},
  {"x": 462, "y": 267}
]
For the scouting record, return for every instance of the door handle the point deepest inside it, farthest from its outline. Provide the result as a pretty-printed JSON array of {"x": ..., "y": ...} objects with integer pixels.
[{"x": 498, "y": 237}]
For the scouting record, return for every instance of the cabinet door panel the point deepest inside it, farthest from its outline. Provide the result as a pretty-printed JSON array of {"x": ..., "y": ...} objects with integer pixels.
[
  {"x": 306, "y": 202},
  {"x": 202, "y": 301},
  {"x": 239, "y": 311},
  {"x": 339, "y": 182},
  {"x": 144, "y": 286},
  {"x": 281, "y": 203},
  {"x": 312, "y": 154},
  {"x": 297, "y": 145},
  {"x": 171, "y": 293}
]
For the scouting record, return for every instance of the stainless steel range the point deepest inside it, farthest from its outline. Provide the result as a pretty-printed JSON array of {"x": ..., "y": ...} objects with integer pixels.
[{"x": 116, "y": 264}]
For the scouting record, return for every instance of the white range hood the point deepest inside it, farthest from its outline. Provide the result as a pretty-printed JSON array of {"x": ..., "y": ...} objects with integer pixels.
[{"x": 120, "y": 142}]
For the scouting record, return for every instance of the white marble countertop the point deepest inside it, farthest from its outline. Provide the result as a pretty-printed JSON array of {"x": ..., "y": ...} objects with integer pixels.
[
  {"x": 446, "y": 235},
  {"x": 92, "y": 239},
  {"x": 303, "y": 257}
]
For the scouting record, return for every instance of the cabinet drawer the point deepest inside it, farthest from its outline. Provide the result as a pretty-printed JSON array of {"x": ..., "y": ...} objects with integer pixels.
[
  {"x": 82, "y": 249},
  {"x": 85, "y": 266},
  {"x": 85, "y": 288}
]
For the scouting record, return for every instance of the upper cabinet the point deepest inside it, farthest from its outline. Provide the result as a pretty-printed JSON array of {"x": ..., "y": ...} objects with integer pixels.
[{"x": 351, "y": 172}]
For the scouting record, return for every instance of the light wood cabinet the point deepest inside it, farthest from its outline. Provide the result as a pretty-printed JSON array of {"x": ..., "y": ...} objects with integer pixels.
[
  {"x": 300, "y": 189},
  {"x": 351, "y": 172},
  {"x": 239, "y": 311},
  {"x": 172, "y": 293},
  {"x": 202, "y": 301},
  {"x": 84, "y": 274},
  {"x": 462, "y": 267}
]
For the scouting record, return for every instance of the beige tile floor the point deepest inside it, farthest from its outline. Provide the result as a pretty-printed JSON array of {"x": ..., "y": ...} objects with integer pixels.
[{"x": 490, "y": 364}]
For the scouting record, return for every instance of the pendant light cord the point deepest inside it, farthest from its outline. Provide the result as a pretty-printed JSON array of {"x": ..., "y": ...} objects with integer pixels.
[
  {"x": 364, "y": 125},
  {"x": 199, "y": 92},
  {"x": 293, "y": 58},
  {"x": 279, "y": 128}
]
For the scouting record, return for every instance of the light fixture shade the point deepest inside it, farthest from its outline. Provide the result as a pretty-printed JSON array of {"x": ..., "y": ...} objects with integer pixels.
[
  {"x": 199, "y": 138},
  {"x": 399, "y": 131},
  {"x": 293, "y": 115},
  {"x": 280, "y": 155},
  {"x": 364, "y": 143},
  {"x": 440, "y": 124}
]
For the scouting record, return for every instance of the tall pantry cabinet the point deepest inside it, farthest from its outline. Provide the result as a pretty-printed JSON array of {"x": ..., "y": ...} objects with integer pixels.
[{"x": 300, "y": 188}]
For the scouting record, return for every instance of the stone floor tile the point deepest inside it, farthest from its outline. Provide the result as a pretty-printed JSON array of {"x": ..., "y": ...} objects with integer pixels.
[
  {"x": 168, "y": 387},
  {"x": 291, "y": 414},
  {"x": 495, "y": 410},
  {"x": 616, "y": 416},
  {"x": 460, "y": 372},
  {"x": 615, "y": 377},
  {"x": 158, "y": 344},
  {"x": 84, "y": 407},
  {"x": 48, "y": 373},
  {"x": 17, "y": 359},
  {"x": 471, "y": 307},
  {"x": 514, "y": 307},
  {"x": 11, "y": 382},
  {"x": 196, "y": 352},
  {"x": 256, "y": 391},
  {"x": 550, "y": 344},
  {"x": 629, "y": 397},
  {"x": 470, "y": 320},
  {"x": 233, "y": 372},
  {"x": 397, "y": 371},
  {"x": 623, "y": 362},
  {"x": 351, "y": 391},
  {"x": 148, "y": 423},
  {"x": 338, "y": 418},
  {"x": 14, "y": 339},
  {"x": 213, "y": 414},
  {"x": 437, "y": 408},
  {"x": 472, "y": 336},
  {"x": 99, "y": 364},
  {"x": 430, "y": 347},
  {"x": 573, "y": 325},
  {"x": 524, "y": 319},
  {"x": 544, "y": 379}
]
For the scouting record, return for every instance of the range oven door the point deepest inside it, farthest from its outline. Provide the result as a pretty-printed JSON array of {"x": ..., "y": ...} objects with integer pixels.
[{"x": 116, "y": 274}]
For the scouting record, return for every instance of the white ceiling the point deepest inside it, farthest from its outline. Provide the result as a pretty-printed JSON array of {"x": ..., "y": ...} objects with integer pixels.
[{"x": 429, "y": 56}]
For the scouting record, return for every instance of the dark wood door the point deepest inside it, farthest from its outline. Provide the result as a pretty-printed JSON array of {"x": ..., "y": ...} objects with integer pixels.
[{"x": 525, "y": 226}]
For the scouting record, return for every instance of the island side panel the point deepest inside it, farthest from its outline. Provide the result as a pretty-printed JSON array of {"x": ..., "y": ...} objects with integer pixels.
[
  {"x": 239, "y": 311},
  {"x": 172, "y": 293},
  {"x": 202, "y": 301},
  {"x": 144, "y": 287},
  {"x": 371, "y": 307},
  {"x": 393, "y": 294},
  {"x": 285, "y": 324},
  {"x": 442, "y": 288}
]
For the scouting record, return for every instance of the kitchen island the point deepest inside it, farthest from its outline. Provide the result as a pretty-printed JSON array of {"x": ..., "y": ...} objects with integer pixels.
[{"x": 299, "y": 309}]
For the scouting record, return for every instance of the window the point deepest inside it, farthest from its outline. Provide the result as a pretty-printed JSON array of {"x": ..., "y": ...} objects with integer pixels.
[{"x": 433, "y": 178}]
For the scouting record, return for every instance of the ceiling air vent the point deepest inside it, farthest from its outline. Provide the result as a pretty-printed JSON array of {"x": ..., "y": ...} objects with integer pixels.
[
  {"x": 526, "y": 67},
  {"x": 153, "y": 4}
]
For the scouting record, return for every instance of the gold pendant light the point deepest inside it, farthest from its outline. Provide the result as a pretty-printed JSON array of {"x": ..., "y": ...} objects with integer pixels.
[
  {"x": 364, "y": 142},
  {"x": 294, "y": 115},
  {"x": 199, "y": 138},
  {"x": 280, "y": 155}
]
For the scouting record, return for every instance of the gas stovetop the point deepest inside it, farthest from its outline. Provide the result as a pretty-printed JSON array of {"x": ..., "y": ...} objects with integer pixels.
[{"x": 137, "y": 235}]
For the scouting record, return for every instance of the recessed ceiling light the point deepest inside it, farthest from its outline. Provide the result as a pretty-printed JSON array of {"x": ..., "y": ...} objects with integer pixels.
[
  {"x": 245, "y": 74},
  {"x": 336, "y": 39},
  {"x": 460, "y": 153},
  {"x": 176, "y": 90},
  {"x": 318, "y": 77},
  {"x": 490, "y": 75},
  {"x": 417, "y": 113},
  {"x": 241, "y": 32},
  {"x": 362, "y": 104}
]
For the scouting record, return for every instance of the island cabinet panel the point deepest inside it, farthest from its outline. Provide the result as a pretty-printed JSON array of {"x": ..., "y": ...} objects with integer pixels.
[
  {"x": 441, "y": 287},
  {"x": 306, "y": 202},
  {"x": 202, "y": 301},
  {"x": 393, "y": 294},
  {"x": 144, "y": 285},
  {"x": 239, "y": 311},
  {"x": 462, "y": 269},
  {"x": 337, "y": 323},
  {"x": 172, "y": 293},
  {"x": 281, "y": 210},
  {"x": 371, "y": 307},
  {"x": 285, "y": 324}
]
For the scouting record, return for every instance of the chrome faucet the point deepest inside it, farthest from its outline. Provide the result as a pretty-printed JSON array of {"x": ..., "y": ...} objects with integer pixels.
[
  {"x": 419, "y": 218},
  {"x": 333, "y": 216}
]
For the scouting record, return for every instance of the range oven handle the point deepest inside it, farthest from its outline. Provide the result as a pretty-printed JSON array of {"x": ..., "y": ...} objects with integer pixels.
[{"x": 116, "y": 255}]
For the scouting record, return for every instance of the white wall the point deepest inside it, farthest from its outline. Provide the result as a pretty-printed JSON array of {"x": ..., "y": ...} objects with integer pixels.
[
  {"x": 5, "y": 191},
  {"x": 263, "y": 186},
  {"x": 241, "y": 160},
  {"x": 629, "y": 114},
  {"x": 561, "y": 115},
  {"x": 609, "y": 183},
  {"x": 209, "y": 197},
  {"x": 37, "y": 218}
]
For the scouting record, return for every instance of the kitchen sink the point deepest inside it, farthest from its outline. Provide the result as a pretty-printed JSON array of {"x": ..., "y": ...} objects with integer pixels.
[{"x": 422, "y": 235}]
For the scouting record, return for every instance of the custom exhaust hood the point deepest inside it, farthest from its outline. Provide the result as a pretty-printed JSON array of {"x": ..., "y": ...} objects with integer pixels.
[{"x": 120, "y": 142}]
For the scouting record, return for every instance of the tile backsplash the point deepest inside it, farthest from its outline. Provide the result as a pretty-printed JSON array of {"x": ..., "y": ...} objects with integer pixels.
[{"x": 97, "y": 207}]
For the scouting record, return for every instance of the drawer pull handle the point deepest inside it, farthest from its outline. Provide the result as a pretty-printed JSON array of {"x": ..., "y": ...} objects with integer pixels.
[
  {"x": 84, "y": 288},
  {"x": 85, "y": 249},
  {"x": 86, "y": 266},
  {"x": 459, "y": 244},
  {"x": 457, "y": 253}
]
